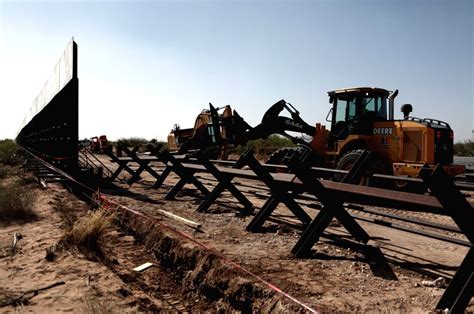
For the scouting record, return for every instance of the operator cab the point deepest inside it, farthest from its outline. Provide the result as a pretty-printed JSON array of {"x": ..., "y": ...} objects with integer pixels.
[{"x": 354, "y": 110}]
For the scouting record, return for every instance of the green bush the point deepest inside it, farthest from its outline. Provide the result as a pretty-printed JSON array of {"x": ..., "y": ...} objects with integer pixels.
[{"x": 465, "y": 148}]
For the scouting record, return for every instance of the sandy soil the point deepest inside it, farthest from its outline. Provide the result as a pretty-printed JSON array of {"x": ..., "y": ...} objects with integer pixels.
[
  {"x": 341, "y": 275},
  {"x": 86, "y": 283},
  {"x": 28, "y": 268}
]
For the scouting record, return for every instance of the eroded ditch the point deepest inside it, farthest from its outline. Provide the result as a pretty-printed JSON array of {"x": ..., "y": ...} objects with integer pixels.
[{"x": 202, "y": 271}]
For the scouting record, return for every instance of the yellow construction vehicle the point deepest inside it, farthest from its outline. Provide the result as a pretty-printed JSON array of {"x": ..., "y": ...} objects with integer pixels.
[
  {"x": 363, "y": 118},
  {"x": 360, "y": 118},
  {"x": 212, "y": 128}
]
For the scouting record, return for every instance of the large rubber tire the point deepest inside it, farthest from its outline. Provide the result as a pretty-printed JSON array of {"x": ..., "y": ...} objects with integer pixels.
[
  {"x": 377, "y": 166},
  {"x": 346, "y": 162},
  {"x": 281, "y": 157}
]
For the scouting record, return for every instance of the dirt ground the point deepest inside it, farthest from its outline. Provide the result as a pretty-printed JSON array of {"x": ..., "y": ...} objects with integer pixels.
[
  {"x": 341, "y": 275},
  {"x": 85, "y": 282}
]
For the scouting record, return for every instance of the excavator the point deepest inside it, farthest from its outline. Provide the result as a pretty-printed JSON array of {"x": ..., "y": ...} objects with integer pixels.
[
  {"x": 361, "y": 118},
  {"x": 212, "y": 128}
]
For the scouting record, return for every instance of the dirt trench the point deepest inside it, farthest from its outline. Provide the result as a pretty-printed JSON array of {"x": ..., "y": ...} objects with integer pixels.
[
  {"x": 204, "y": 272},
  {"x": 185, "y": 279}
]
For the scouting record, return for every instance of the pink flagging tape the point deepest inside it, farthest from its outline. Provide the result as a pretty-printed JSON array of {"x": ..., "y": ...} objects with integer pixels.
[
  {"x": 213, "y": 251},
  {"x": 106, "y": 202}
]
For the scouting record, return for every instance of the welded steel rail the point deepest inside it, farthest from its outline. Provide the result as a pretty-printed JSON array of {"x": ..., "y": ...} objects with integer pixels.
[
  {"x": 312, "y": 202},
  {"x": 91, "y": 160},
  {"x": 324, "y": 173},
  {"x": 284, "y": 188}
]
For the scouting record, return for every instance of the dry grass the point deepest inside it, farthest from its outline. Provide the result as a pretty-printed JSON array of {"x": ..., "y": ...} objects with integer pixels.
[
  {"x": 16, "y": 204},
  {"x": 88, "y": 230},
  {"x": 96, "y": 304}
]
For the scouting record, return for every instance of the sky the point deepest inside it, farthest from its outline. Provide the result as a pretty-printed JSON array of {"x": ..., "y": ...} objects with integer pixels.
[{"x": 145, "y": 65}]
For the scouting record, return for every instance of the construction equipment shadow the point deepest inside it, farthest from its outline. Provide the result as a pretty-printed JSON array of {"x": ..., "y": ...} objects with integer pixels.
[{"x": 117, "y": 190}]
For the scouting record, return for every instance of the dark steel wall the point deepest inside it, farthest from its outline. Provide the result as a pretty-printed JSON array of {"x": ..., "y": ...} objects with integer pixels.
[{"x": 51, "y": 130}]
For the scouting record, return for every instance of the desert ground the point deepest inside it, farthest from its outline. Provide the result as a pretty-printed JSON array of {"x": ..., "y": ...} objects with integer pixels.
[{"x": 200, "y": 275}]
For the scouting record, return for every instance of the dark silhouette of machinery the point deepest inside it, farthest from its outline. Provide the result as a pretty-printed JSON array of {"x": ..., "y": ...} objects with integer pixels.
[{"x": 360, "y": 118}]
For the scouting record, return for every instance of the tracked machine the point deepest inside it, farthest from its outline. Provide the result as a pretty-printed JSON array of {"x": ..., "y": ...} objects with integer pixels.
[{"x": 361, "y": 118}]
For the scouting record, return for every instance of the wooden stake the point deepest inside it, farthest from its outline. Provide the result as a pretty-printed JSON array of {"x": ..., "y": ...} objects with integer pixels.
[{"x": 179, "y": 218}]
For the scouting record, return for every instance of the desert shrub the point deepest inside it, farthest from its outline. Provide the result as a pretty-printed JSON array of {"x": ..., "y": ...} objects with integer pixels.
[
  {"x": 8, "y": 171},
  {"x": 16, "y": 204},
  {"x": 265, "y": 146},
  {"x": 138, "y": 141},
  {"x": 141, "y": 142},
  {"x": 465, "y": 148},
  {"x": 9, "y": 158},
  {"x": 88, "y": 230},
  {"x": 155, "y": 142},
  {"x": 4, "y": 171},
  {"x": 9, "y": 154},
  {"x": 133, "y": 141}
]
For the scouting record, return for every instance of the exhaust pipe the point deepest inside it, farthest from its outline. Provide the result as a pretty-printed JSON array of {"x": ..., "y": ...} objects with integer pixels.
[{"x": 391, "y": 104}]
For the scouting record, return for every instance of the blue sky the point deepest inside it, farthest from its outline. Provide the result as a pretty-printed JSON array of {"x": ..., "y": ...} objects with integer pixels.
[{"x": 144, "y": 66}]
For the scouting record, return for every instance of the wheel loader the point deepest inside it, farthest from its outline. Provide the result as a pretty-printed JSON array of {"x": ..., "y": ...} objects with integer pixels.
[{"x": 360, "y": 118}]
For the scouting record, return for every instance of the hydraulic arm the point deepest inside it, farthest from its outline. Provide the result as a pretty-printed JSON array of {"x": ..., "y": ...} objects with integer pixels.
[{"x": 272, "y": 123}]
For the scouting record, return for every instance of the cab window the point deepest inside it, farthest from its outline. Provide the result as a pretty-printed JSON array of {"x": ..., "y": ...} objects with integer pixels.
[
  {"x": 374, "y": 104},
  {"x": 341, "y": 110},
  {"x": 356, "y": 106},
  {"x": 369, "y": 104},
  {"x": 382, "y": 108},
  {"x": 352, "y": 109}
]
